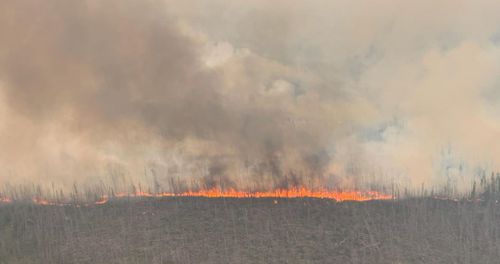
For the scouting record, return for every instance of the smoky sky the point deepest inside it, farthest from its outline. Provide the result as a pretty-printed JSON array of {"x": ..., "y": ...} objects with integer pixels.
[
  {"x": 249, "y": 95},
  {"x": 106, "y": 63},
  {"x": 102, "y": 70}
]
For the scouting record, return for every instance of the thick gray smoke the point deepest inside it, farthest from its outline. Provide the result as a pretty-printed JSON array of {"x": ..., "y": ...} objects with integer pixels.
[
  {"x": 258, "y": 95},
  {"x": 91, "y": 83}
]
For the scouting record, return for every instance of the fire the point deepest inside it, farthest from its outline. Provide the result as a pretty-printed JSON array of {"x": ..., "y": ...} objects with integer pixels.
[
  {"x": 102, "y": 200},
  {"x": 41, "y": 201},
  {"x": 5, "y": 200},
  {"x": 295, "y": 192}
]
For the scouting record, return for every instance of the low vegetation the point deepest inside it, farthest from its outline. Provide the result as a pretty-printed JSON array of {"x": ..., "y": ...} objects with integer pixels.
[{"x": 425, "y": 229}]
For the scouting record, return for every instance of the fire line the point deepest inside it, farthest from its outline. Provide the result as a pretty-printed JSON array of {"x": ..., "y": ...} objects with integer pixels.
[{"x": 296, "y": 192}]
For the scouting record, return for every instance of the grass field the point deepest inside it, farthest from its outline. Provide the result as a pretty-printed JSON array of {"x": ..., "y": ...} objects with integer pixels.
[{"x": 216, "y": 230}]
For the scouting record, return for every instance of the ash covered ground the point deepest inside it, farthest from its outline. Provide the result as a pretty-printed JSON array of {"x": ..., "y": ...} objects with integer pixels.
[{"x": 223, "y": 230}]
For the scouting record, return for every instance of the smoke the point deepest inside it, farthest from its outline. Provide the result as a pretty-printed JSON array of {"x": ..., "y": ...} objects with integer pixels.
[{"x": 251, "y": 95}]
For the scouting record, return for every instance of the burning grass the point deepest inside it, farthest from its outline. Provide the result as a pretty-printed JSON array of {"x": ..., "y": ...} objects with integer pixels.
[
  {"x": 213, "y": 226},
  {"x": 294, "y": 192}
]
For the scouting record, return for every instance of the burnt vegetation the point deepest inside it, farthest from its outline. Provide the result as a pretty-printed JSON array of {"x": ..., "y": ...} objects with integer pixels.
[{"x": 411, "y": 229}]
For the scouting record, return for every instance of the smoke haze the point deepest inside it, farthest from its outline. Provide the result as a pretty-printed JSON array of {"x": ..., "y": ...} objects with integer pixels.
[{"x": 254, "y": 94}]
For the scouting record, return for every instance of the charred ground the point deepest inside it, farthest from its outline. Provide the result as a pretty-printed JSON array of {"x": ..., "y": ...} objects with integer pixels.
[{"x": 222, "y": 230}]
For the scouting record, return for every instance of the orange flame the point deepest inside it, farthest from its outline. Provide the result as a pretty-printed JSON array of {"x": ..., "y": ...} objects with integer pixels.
[
  {"x": 5, "y": 200},
  {"x": 102, "y": 200},
  {"x": 295, "y": 192}
]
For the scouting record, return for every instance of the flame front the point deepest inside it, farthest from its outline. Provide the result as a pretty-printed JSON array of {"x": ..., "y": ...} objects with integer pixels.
[
  {"x": 5, "y": 200},
  {"x": 296, "y": 192}
]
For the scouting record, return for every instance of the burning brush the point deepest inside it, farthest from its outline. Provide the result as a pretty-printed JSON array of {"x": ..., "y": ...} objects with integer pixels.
[{"x": 294, "y": 192}]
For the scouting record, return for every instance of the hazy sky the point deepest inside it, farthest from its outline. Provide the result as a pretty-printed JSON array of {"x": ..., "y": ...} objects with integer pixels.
[{"x": 249, "y": 93}]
